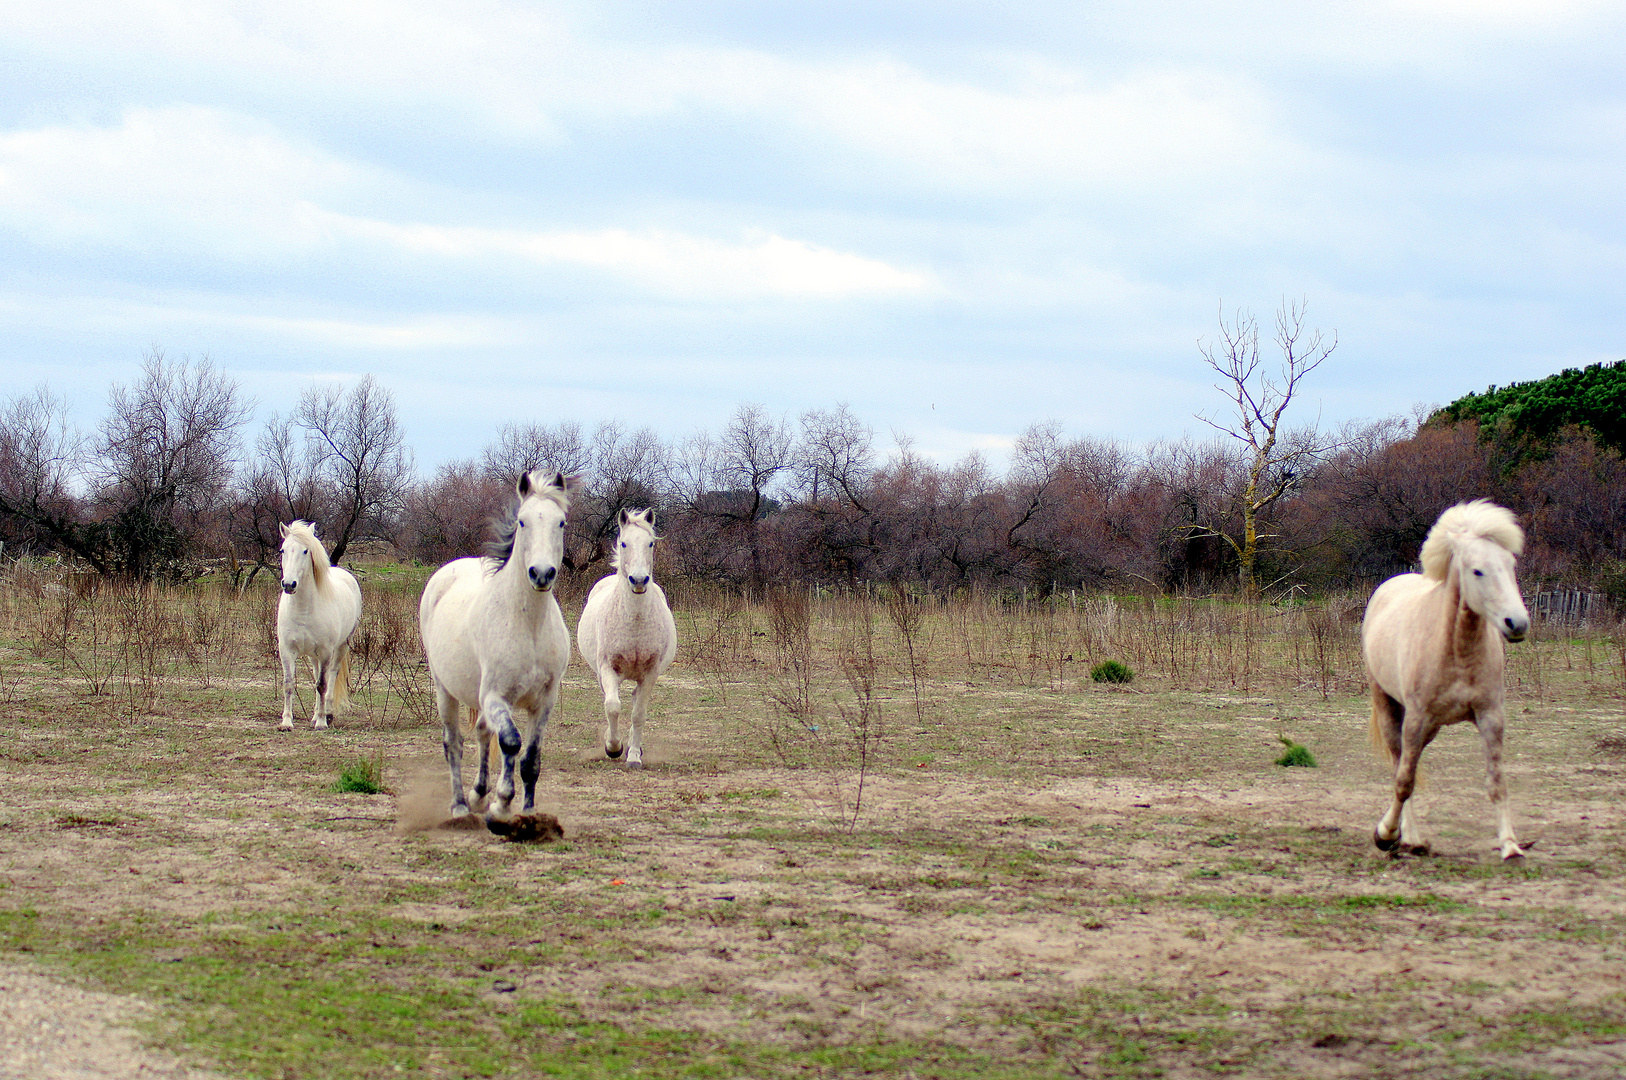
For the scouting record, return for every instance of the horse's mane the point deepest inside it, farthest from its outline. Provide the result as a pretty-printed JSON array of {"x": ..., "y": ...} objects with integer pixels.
[
  {"x": 1462, "y": 522},
  {"x": 305, "y": 533},
  {"x": 635, "y": 521},
  {"x": 500, "y": 548}
]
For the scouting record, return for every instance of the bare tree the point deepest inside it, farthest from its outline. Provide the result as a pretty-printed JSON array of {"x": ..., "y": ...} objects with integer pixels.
[
  {"x": 168, "y": 444},
  {"x": 520, "y": 448},
  {"x": 1273, "y": 461},
  {"x": 42, "y": 457},
  {"x": 722, "y": 485},
  {"x": 360, "y": 457}
]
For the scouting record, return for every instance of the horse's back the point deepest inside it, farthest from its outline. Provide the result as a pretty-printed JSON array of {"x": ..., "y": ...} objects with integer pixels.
[{"x": 1394, "y": 624}]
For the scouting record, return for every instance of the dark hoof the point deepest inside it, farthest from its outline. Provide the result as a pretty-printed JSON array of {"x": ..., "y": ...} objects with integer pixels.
[
  {"x": 1420, "y": 850},
  {"x": 612, "y": 754},
  {"x": 526, "y": 828},
  {"x": 1384, "y": 845}
]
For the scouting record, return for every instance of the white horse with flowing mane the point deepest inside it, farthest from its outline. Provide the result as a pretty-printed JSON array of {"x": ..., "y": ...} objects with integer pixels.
[
  {"x": 1434, "y": 654},
  {"x": 626, "y": 632},
  {"x": 316, "y": 616},
  {"x": 497, "y": 643}
]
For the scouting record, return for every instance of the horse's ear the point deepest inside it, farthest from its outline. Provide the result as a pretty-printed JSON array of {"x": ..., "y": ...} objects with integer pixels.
[
  {"x": 282, "y": 528},
  {"x": 649, "y": 517},
  {"x": 561, "y": 482},
  {"x": 623, "y": 518},
  {"x": 524, "y": 485}
]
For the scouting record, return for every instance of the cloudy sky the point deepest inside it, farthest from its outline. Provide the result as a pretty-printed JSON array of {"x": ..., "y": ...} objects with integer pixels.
[{"x": 960, "y": 218}]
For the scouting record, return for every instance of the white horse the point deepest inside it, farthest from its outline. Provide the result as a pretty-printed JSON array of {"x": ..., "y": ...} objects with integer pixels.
[
  {"x": 316, "y": 615},
  {"x": 626, "y": 632},
  {"x": 497, "y": 643},
  {"x": 1434, "y": 655}
]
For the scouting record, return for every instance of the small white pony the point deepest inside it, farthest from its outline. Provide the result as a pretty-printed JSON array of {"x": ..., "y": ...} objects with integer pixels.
[
  {"x": 497, "y": 643},
  {"x": 1434, "y": 654},
  {"x": 316, "y": 616},
  {"x": 626, "y": 632}
]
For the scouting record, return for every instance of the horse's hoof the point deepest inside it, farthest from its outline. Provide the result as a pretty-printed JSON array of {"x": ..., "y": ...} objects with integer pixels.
[
  {"x": 286, "y": 725},
  {"x": 1512, "y": 851},
  {"x": 612, "y": 752},
  {"x": 1422, "y": 850},
  {"x": 461, "y": 820},
  {"x": 631, "y": 764},
  {"x": 526, "y": 828},
  {"x": 1385, "y": 845}
]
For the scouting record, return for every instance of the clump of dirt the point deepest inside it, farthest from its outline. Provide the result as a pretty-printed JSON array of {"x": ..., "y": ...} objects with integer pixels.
[{"x": 526, "y": 828}]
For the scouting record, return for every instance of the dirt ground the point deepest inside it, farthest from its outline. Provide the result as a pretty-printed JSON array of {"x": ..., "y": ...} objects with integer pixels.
[{"x": 1050, "y": 890}]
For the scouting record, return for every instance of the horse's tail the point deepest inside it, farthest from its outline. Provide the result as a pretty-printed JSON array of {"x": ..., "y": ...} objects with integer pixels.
[{"x": 339, "y": 693}]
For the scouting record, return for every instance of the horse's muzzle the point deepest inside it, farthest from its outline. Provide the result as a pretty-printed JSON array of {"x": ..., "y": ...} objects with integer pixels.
[
  {"x": 289, "y": 587},
  {"x": 639, "y": 585},
  {"x": 543, "y": 579},
  {"x": 1515, "y": 629}
]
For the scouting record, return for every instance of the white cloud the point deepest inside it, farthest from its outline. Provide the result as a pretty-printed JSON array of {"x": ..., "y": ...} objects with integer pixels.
[
  {"x": 671, "y": 263},
  {"x": 204, "y": 180},
  {"x": 165, "y": 179}
]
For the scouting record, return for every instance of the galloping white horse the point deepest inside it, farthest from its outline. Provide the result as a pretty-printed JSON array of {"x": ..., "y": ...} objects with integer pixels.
[
  {"x": 497, "y": 643},
  {"x": 316, "y": 615},
  {"x": 626, "y": 632},
  {"x": 1434, "y": 655}
]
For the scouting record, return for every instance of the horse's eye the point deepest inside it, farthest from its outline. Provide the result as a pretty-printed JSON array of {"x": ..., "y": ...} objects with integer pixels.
[{"x": 1479, "y": 573}]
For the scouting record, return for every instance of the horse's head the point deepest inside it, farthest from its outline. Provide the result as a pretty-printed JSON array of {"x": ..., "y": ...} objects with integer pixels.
[
  {"x": 539, "y": 527},
  {"x": 635, "y": 548},
  {"x": 1490, "y": 588},
  {"x": 1478, "y": 542},
  {"x": 296, "y": 554}
]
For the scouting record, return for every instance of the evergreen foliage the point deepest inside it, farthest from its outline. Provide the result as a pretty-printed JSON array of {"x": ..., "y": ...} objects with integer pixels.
[{"x": 1593, "y": 397}]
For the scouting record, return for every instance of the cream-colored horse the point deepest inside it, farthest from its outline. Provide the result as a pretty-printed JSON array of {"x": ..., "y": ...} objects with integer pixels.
[
  {"x": 496, "y": 642},
  {"x": 626, "y": 632},
  {"x": 1434, "y": 655},
  {"x": 317, "y": 613}
]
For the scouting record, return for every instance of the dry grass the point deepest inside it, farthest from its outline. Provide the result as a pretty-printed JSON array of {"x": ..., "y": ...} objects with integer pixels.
[{"x": 864, "y": 844}]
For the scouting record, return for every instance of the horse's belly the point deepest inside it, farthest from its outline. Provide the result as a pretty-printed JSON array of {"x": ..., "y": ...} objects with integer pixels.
[{"x": 634, "y": 665}]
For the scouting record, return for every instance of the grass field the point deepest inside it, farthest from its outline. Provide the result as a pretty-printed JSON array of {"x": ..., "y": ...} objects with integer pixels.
[{"x": 876, "y": 836}]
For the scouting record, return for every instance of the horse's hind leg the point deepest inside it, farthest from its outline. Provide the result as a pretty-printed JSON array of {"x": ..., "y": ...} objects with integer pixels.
[
  {"x": 1387, "y": 728},
  {"x": 452, "y": 742},
  {"x": 1398, "y": 827},
  {"x": 321, "y": 669},
  {"x": 1489, "y": 723}
]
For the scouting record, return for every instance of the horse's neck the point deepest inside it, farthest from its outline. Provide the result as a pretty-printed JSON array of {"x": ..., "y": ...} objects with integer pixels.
[
  {"x": 514, "y": 598},
  {"x": 1466, "y": 632}
]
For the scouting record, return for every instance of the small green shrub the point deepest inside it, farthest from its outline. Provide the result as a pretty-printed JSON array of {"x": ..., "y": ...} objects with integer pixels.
[
  {"x": 1295, "y": 754},
  {"x": 1111, "y": 671},
  {"x": 363, "y": 776}
]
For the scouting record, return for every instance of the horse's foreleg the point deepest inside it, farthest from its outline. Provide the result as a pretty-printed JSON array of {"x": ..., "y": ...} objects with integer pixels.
[
  {"x": 452, "y": 741},
  {"x": 290, "y": 669},
  {"x": 1489, "y": 723},
  {"x": 531, "y": 766},
  {"x": 611, "y": 682},
  {"x": 499, "y": 720},
  {"x": 482, "y": 784},
  {"x": 635, "y": 729}
]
